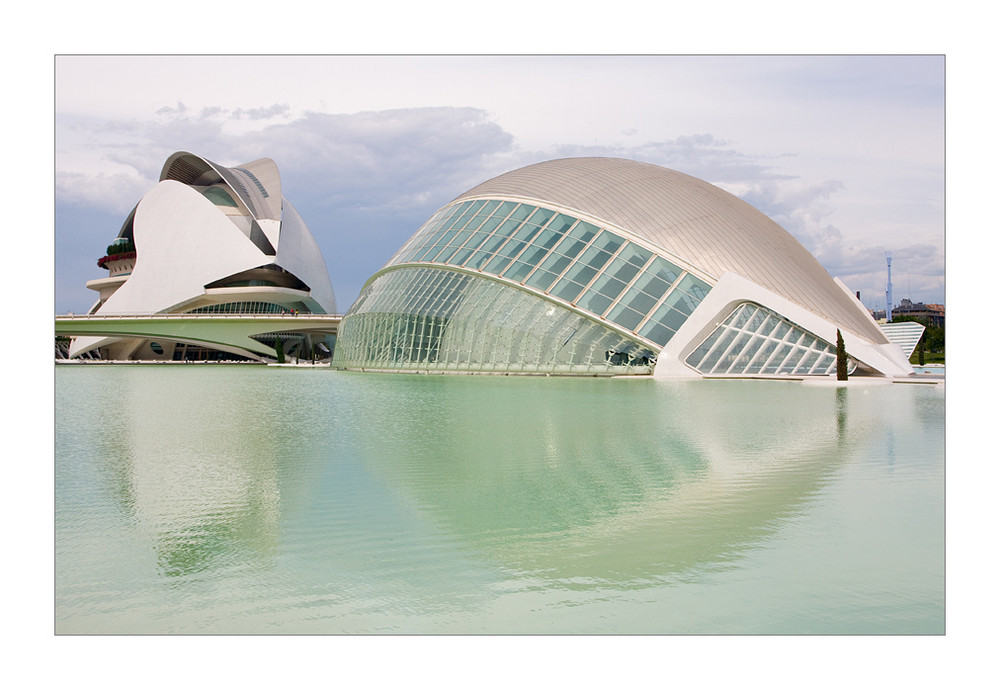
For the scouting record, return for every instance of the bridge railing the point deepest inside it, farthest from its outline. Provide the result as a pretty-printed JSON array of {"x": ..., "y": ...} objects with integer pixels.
[{"x": 261, "y": 317}]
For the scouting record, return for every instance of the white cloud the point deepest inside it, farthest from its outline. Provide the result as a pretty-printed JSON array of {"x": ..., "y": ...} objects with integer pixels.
[{"x": 846, "y": 153}]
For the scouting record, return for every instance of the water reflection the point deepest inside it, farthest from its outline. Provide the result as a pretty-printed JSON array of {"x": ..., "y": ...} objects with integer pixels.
[
  {"x": 193, "y": 466},
  {"x": 611, "y": 480},
  {"x": 328, "y": 501}
]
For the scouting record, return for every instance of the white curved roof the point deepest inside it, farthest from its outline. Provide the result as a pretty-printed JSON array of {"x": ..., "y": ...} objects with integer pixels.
[
  {"x": 184, "y": 242},
  {"x": 692, "y": 219}
]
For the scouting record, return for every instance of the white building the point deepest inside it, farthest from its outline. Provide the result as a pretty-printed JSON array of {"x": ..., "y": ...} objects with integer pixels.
[
  {"x": 208, "y": 239},
  {"x": 602, "y": 266}
]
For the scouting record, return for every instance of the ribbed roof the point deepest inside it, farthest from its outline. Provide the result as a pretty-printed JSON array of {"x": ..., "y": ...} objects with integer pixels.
[{"x": 709, "y": 228}]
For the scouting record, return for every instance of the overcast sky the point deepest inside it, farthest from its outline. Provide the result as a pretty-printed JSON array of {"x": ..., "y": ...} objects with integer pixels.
[{"x": 845, "y": 152}]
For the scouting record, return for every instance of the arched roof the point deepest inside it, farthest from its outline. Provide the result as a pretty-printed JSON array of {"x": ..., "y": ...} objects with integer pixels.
[
  {"x": 257, "y": 184},
  {"x": 703, "y": 225}
]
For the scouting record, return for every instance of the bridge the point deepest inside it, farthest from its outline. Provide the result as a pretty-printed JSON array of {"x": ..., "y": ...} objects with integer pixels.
[{"x": 224, "y": 331}]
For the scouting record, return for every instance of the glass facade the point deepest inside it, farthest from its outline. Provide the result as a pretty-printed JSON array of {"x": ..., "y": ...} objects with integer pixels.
[
  {"x": 756, "y": 341},
  {"x": 426, "y": 318},
  {"x": 568, "y": 259}
]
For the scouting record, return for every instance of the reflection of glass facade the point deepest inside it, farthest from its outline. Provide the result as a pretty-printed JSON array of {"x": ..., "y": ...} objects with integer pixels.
[
  {"x": 754, "y": 340},
  {"x": 424, "y": 318},
  {"x": 571, "y": 260}
]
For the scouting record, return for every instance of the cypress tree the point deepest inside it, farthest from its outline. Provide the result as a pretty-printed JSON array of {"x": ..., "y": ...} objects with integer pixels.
[
  {"x": 841, "y": 358},
  {"x": 279, "y": 349}
]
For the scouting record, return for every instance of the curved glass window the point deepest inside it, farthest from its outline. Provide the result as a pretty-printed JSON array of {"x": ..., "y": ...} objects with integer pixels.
[
  {"x": 571, "y": 260},
  {"x": 218, "y": 196},
  {"x": 438, "y": 319},
  {"x": 755, "y": 341}
]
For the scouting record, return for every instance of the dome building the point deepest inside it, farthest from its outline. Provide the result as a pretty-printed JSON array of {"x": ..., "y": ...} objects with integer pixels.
[
  {"x": 208, "y": 239},
  {"x": 603, "y": 266}
]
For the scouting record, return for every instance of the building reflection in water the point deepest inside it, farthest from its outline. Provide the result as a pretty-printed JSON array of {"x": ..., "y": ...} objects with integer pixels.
[
  {"x": 576, "y": 481},
  {"x": 613, "y": 480}
]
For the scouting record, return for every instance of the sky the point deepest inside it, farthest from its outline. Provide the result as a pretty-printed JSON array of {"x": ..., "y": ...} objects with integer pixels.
[{"x": 846, "y": 152}]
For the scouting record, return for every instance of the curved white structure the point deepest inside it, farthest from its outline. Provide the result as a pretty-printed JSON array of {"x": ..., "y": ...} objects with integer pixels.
[
  {"x": 209, "y": 239},
  {"x": 607, "y": 266}
]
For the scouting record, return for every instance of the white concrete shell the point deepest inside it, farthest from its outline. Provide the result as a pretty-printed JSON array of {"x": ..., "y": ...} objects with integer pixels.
[
  {"x": 209, "y": 235},
  {"x": 737, "y": 295},
  {"x": 690, "y": 220}
]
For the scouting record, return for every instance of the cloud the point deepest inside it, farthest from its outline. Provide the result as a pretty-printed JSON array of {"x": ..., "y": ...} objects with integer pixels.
[
  {"x": 365, "y": 181},
  {"x": 701, "y": 155}
]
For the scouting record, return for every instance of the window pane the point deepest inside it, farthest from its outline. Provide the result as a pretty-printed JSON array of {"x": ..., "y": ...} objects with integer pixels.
[
  {"x": 584, "y": 231},
  {"x": 636, "y": 255},
  {"x": 541, "y": 279},
  {"x": 652, "y": 285},
  {"x": 694, "y": 287},
  {"x": 664, "y": 270},
  {"x": 541, "y": 216},
  {"x": 561, "y": 223},
  {"x": 608, "y": 286},
  {"x": 609, "y": 242},
  {"x": 639, "y": 301},
  {"x": 518, "y": 270},
  {"x": 594, "y": 301},
  {"x": 567, "y": 290},
  {"x": 622, "y": 270},
  {"x": 623, "y": 316},
  {"x": 522, "y": 212}
]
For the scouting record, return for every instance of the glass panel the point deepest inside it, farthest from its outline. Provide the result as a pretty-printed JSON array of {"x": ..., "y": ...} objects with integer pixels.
[
  {"x": 473, "y": 324},
  {"x": 518, "y": 270},
  {"x": 608, "y": 287},
  {"x": 541, "y": 216},
  {"x": 480, "y": 258},
  {"x": 594, "y": 302},
  {"x": 623, "y": 316},
  {"x": 561, "y": 223},
  {"x": 761, "y": 357},
  {"x": 695, "y": 287},
  {"x": 729, "y": 357},
  {"x": 470, "y": 209},
  {"x": 681, "y": 302},
  {"x": 567, "y": 290},
  {"x": 584, "y": 231},
  {"x": 656, "y": 332},
  {"x": 608, "y": 242},
  {"x": 772, "y": 366},
  {"x": 622, "y": 270},
  {"x": 500, "y": 261},
  {"x": 542, "y": 279},
  {"x": 824, "y": 365},
  {"x": 654, "y": 286},
  {"x": 532, "y": 255},
  {"x": 546, "y": 239},
  {"x": 636, "y": 255},
  {"x": 664, "y": 270},
  {"x": 807, "y": 364},
  {"x": 639, "y": 301},
  {"x": 522, "y": 212}
]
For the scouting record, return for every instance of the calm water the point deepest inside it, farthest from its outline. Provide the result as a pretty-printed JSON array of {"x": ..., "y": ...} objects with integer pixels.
[{"x": 243, "y": 499}]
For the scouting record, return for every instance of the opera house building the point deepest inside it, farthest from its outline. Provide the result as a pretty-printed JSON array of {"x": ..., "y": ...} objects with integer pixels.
[
  {"x": 603, "y": 266},
  {"x": 208, "y": 239}
]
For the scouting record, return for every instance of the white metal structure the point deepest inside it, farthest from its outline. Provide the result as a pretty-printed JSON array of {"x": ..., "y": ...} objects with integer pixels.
[
  {"x": 209, "y": 239},
  {"x": 603, "y": 266},
  {"x": 906, "y": 334}
]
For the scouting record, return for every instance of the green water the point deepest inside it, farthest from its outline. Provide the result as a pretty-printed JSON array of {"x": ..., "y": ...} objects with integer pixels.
[{"x": 240, "y": 499}]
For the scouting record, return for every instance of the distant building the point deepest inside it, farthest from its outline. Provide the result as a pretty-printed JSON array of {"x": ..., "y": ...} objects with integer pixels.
[
  {"x": 933, "y": 313},
  {"x": 604, "y": 266},
  {"x": 208, "y": 239}
]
